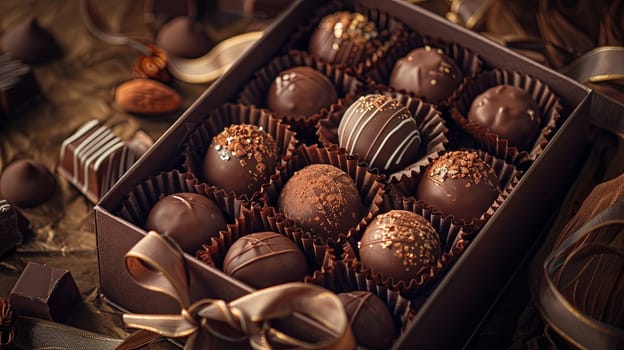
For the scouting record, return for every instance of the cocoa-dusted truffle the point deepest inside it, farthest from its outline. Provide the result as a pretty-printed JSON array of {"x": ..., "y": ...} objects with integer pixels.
[
  {"x": 459, "y": 183},
  {"x": 428, "y": 73},
  {"x": 30, "y": 43},
  {"x": 189, "y": 218},
  {"x": 27, "y": 183},
  {"x": 183, "y": 37},
  {"x": 371, "y": 321},
  {"x": 509, "y": 112},
  {"x": 322, "y": 199},
  {"x": 344, "y": 37},
  {"x": 300, "y": 91},
  {"x": 399, "y": 244},
  {"x": 381, "y": 131},
  {"x": 240, "y": 158},
  {"x": 265, "y": 259}
]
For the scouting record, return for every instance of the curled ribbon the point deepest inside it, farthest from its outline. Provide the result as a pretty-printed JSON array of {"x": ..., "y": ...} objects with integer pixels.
[{"x": 158, "y": 265}]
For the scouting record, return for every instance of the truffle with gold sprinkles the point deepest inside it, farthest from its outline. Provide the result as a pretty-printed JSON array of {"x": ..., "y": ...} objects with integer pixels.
[
  {"x": 240, "y": 159},
  {"x": 344, "y": 37},
  {"x": 400, "y": 245},
  {"x": 459, "y": 183},
  {"x": 428, "y": 73}
]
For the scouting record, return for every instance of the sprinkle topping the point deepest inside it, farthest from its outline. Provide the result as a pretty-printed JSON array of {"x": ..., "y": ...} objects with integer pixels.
[
  {"x": 244, "y": 142},
  {"x": 462, "y": 165}
]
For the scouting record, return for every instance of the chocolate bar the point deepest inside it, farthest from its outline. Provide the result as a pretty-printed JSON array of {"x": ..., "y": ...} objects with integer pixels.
[
  {"x": 93, "y": 159},
  {"x": 12, "y": 225},
  {"x": 17, "y": 87},
  {"x": 44, "y": 292}
]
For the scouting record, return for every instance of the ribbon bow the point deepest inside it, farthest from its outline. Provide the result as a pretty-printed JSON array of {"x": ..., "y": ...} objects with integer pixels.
[{"x": 158, "y": 265}]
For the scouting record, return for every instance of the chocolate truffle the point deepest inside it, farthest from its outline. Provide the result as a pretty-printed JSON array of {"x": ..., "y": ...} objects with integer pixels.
[
  {"x": 18, "y": 86},
  {"x": 27, "y": 183},
  {"x": 189, "y": 218},
  {"x": 30, "y": 43},
  {"x": 300, "y": 91},
  {"x": 459, "y": 183},
  {"x": 183, "y": 37},
  {"x": 240, "y": 158},
  {"x": 322, "y": 199},
  {"x": 428, "y": 73},
  {"x": 399, "y": 244},
  {"x": 509, "y": 112},
  {"x": 381, "y": 131},
  {"x": 371, "y": 321},
  {"x": 265, "y": 259},
  {"x": 344, "y": 37}
]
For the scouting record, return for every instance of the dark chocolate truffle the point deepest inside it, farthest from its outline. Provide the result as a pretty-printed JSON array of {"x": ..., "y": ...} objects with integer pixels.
[
  {"x": 399, "y": 244},
  {"x": 509, "y": 112},
  {"x": 30, "y": 43},
  {"x": 344, "y": 37},
  {"x": 184, "y": 38},
  {"x": 265, "y": 259},
  {"x": 459, "y": 183},
  {"x": 381, "y": 131},
  {"x": 27, "y": 183},
  {"x": 189, "y": 218},
  {"x": 241, "y": 158},
  {"x": 300, "y": 91},
  {"x": 322, "y": 199},
  {"x": 371, "y": 321},
  {"x": 428, "y": 73}
]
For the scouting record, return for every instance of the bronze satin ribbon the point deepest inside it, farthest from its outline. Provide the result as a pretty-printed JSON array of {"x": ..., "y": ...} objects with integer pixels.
[
  {"x": 158, "y": 265},
  {"x": 576, "y": 327}
]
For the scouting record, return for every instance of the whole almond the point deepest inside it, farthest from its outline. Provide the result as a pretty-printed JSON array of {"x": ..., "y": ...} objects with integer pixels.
[{"x": 145, "y": 96}]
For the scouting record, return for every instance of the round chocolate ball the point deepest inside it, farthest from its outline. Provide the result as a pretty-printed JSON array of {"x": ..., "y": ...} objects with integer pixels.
[
  {"x": 428, "y": 73},
  {"x": 344, "y": 37},
  {"x": 399, "y": 244},
  {"x": 27, "y": 183},
  {"x": 321, "y": 199},
  {"x": 184, "y": 38},
  {"x": 265, "y": 259},
  {"x": 189, "y": 218},
  {"x": 459, "y": 183},
  {"x": 509, "y": 112},
  {"x": 381, "y": 131},
  {"x": 372, "y": 324},
  {"x": 300, "y": 91},
  {"x": 240, "y": 159}
]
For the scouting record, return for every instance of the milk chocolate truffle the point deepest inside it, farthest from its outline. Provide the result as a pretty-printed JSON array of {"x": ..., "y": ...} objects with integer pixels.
[
  {"x": 241, "y": 158},
  {"x": 189, "y": 218},
  {"x": 344, "y": 37},
  {"x": 184, "y": 38},
  {"x": 321, "y": 199},
  {"x": 30, "y": 43},
  {"x": 265, "y": 259},
  {"x": 300, "y": 91},
  {"x": 371, "y": 321},
  {"x": 381, "y": 131},
  {"x": 428, "y": 73},
  {"x": 399, "y": 244},
  {"x": 509, "y": 112},
  {"x": 459, "y": 183},
  {"x": 27, "y": 183}
]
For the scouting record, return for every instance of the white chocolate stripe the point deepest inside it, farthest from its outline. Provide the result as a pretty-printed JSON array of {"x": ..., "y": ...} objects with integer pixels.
[
  {"x": 387, "y": 138},
  {"x": 360, "y": 127},
  {"x": 98, "y": 158},
  {"x": 83, "y": 129},
  {"x": 403, "y": 147},
  {"x": 82, "y": 150},
  {"x": 380, "y": 133}
]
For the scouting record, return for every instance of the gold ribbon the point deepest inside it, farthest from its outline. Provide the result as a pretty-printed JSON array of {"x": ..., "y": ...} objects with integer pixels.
[
  {"x": 158, "y": 264},
  {"x": 605, "y": 63}
]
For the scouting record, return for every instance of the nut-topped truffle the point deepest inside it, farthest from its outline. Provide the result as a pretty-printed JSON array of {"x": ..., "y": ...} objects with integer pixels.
[
  {"x": 508, "y": 111},
  {"x": 344, "y": 37},
  {"x": 381, "y": 131},
  {"x": 240, "y": 159},
  {"x": 428, "y": 73},
  {"x": 459, "y": 183},
  {"x": 399, "y": 244},
  {"x": 322, "y": 199}
]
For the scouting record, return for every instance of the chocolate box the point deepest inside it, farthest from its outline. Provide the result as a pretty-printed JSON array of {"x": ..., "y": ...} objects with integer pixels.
[{"x": 463, "y": 295}]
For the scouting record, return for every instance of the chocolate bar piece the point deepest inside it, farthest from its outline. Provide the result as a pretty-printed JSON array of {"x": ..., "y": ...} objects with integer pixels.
[
  {"x": 44, "y": 292},
  {"x": 12, "y": 226},
  {"x": 17, "y": 87},
  {"x": 93, "y": 159}
]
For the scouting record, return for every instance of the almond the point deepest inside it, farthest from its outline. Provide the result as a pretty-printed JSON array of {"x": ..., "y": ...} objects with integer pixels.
[{"x": 145, "y": 96}]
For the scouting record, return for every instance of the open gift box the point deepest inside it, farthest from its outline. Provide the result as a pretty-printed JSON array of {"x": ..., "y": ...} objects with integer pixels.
[{"x": 461, "y": 297}]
